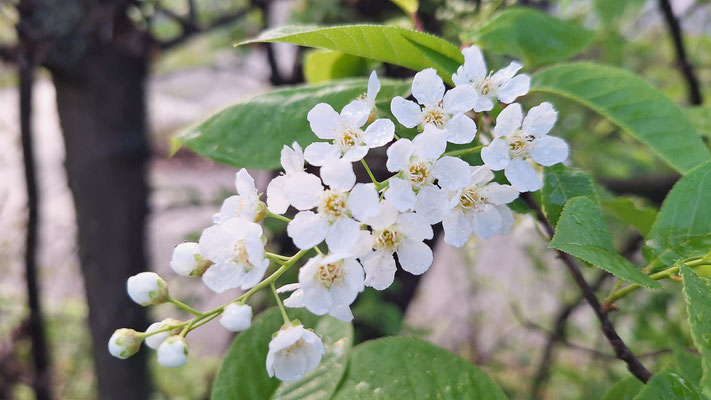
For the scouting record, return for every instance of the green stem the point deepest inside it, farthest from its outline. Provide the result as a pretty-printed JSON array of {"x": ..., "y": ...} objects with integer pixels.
[
  {"x": 184, "y": 306},
  {"x": 273, "y": 277},
  {"x": 318, "y": 250},
  {"x": 382, "y": 185},
  {"x": 277, "y": 216},
  {"x": 370, "y": 173},
  {"x": 280, "y": 304},
  {"x": 462, "y": 152},
  {"x": 205, "y": 320}
]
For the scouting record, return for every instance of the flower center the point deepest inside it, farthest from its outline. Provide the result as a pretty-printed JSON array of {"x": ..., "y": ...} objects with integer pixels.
[
  {"x": 435, "y": 115},
  {"x": 419, "y": 173},
  {"x": 487, "y": 85},
  {"x": 293, "y": 348},
  {"x": 349, "y": 138},
  {"x": 388, "y": 239},
  {"x": 518, "y": 145},
  {"x": 471, "y": 199},
  {"x": 240, "y": 255},
  {"x": 330, "y": 274},
  {"x": 333, "y": 204}
]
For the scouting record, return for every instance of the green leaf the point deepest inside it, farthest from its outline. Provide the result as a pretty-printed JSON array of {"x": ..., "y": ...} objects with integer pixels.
[
  {"x": 581, "y": 232},
  {"x": 561, "y": 184},
  {"x": 409, "y": 6},
  {"x": 325, "y": 65},
  {"x": 631, "y": 103},
  {"x": 394, "y": 45},
  {"x": 624, "y": 389},
  {"x": 683, "y": 227},
  {"x": 700, "y": 117},
  {"x": 689, "y": 365},
  {"x": 612, "y": 11},
  {"x": 243, "y": 373},
  {"x": 252, "y": 134},
  {"x": 698, "y": 307},
  {"x": 409, "y": 368},
  {"x": 669, "y": 385},
  {"x": 626, "y": 209},
  {"x": 532, "y": 36}
]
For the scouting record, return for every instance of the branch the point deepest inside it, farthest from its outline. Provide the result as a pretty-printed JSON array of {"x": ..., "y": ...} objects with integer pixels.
[
  {"x": 190, "y": 29},
  {"x": 8, "y": 54},
  {"x": 687, "y": 69},
  {"x": 608, "y": 329}
]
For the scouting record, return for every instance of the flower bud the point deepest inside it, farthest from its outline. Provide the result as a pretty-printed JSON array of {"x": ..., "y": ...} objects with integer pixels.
[
  {"x": 124, "y": 343},
  {"x": 173, "y": 352},
  {"x": 155, "y": 340},
  {"x": 260, "y": 211},
  {"x": 236, "y": 317},
  {"x": 186, "y": 259},
  {"x": 147, "y": 288}
]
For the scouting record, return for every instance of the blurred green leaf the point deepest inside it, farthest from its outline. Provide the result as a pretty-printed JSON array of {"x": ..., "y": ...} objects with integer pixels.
[
  {"x": 409, "y": 368},
  {"x": 683, "y": 226},
  {"x": 640, "y": 216},
  {"x": 624, "y": 389},
  {"x": 689, "y": 365},
  {"x": 669, "y": 385},
  {"x": 533, "y": 36},
  {"x": 561, "y": 184},
  {"x": 698, "y": 308},
  {"x": 399, "y": 46},
  {"x": 326, "y": 65},
  {"x": 631, "y": 103},
  {"x": 612, "y": 11},
  {"x": 252, "y": 134},
  {"x": 409, "y": 6},
  {"x": 243, "y": 374},
  {"x": 581, "y": 232},
  {"x": 700, "y": 117}
]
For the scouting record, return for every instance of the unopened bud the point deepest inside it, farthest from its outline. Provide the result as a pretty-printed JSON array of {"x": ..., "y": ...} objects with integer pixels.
[
  {"x": 236, "y": 317},
  {"x": 147, "y": 288},
  {"x": 173, "y": 352},
  {"x": 155, "y": 340},
  {"x": 124, "y": 343},
  {"x": 188, "y": 261}
]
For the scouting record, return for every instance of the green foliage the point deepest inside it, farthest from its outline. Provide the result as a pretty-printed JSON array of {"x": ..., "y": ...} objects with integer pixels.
[
  {"x": 639, "y": 216},
  {"x": 243, "y": 374},
  {"x": 399, "y": 46},
  {"x": 581, "y": 232},
  {"x": 624, "y": 389},
  {"x": 682, "y": 227},
  {"x": 612, "y": 11},
  {"x": 700, "y": 117},
  {"x": 252, "y": 134},
  {"x": 688, "y": 364},
  {"x": 325, "y": 65},
  {"x": 561, "y": 184},
  {"x": 632, "y": 104},
  {"x": 669, "y": 385},
  {"x": 408, "y": 368},
  {"x": 532, "y": 36},
  {"x": 698, "y": 307}
]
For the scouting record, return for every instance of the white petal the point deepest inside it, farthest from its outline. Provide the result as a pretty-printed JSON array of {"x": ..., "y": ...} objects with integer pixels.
[
  {"x": 414, "y": 226},
  {"x": 303, "y": 190},
  {"x": 318, "y": 153},
  {"x": 483, "y": 103},
  {"x": 277, "y": 202},
  {"x": 474, "y": 63},
  {"x": 539, "y": 120},
  {"x": 487, "y": 223},
  {"x": 363, "y": 202},
  {"x": 507, "y": 219},
  {"x": 386, "y": 216},
  {"x": 400, "y": 194},
  {"x": 457, "y": 229},
  {"x": 254, "y": 275},
  {"x": 296, "y": 300},
  {"x": 216, "y": 243},
  {"x": 509, "y": 120},
  {"x": 324, "y": 120},
  {"x": 480, "y": 175},
  {"x": 499, "y": 194},
  {"x": 427, "y": 87},
  {"x": 460, "y": 129},
  {"x": 399, "y": 155},
  {"x": 452, "y": 173},
  {"x": 364, "y": 244},
  {"x": 549, "y": 150},
  {"x": 292, "y": 159},
  {"x": 355, "y": 153},
  {"x": 343, "y": 235},
  {"x": 432, "y": 204},
  {"x": 460, "y": 99},
  {"x": 338, "y": 175},
  {"x": 184, "y": 261},
  {"x": 289, "y": 287},
  {"x": 518, "y": 86},
  {"x": 415, "y": 257},
  {"x": 223, "y": 276},
  {"x": 496, "y": 155},
  {"x": 431, "y": 143},
  {"x": 307, "y": 229},
  {"x": 342, "y": 312},
  {"x": 505, "y": 74},
  {"x": 522, "y": 176},
  {"x": 379, "y": 270},
  {"x": 373, "y": 88},
  {"x": 355, "y": 113},
  {"x": 379, "y": 133},
  {"x": 245, "y": 183},
  {"x": 407, "y": 112},
  {"x": 460, "y": 77}
]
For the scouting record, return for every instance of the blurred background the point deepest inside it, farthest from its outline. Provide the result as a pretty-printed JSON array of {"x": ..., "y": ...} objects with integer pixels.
[{"x": 91, "y": 93}]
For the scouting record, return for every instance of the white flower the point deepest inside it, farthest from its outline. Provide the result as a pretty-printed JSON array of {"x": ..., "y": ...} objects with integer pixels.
[
  {"x": 328, "y": 284},
  {"x": 337, "y": 207},
  {"x": 124, "y": 343},
  {"x": 245, "y": 204},
  {"x": 236, "y": 248},
  {"x": 373, "y": 89},
  {"x": 503, "y": 84},
  {"x": 292, "y": 160},
  {"x": 445, "y": 111},
  {"x": 173, "y": 352},
  {"x": 350, "y": 142},
  {"x": 420, "y": 165},
  {"x": 396, "y": 233},
  {"x": 479, "y": 208},
  {"x": 188, "y": 261},
  {"x": 293, "y": 352},
  {"x": 236, "y": 317},
  {"x": 147, "y": 288},
  {"x": 516, "y": 141},
  {"x": 154, "y": 341}
]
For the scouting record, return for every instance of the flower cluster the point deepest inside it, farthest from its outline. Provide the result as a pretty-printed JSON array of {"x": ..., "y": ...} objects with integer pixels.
[{"x": 364, "y": 225}]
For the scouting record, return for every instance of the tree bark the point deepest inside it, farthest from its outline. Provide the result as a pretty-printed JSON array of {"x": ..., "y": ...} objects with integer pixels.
[{"x": 101, "y": 105}]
